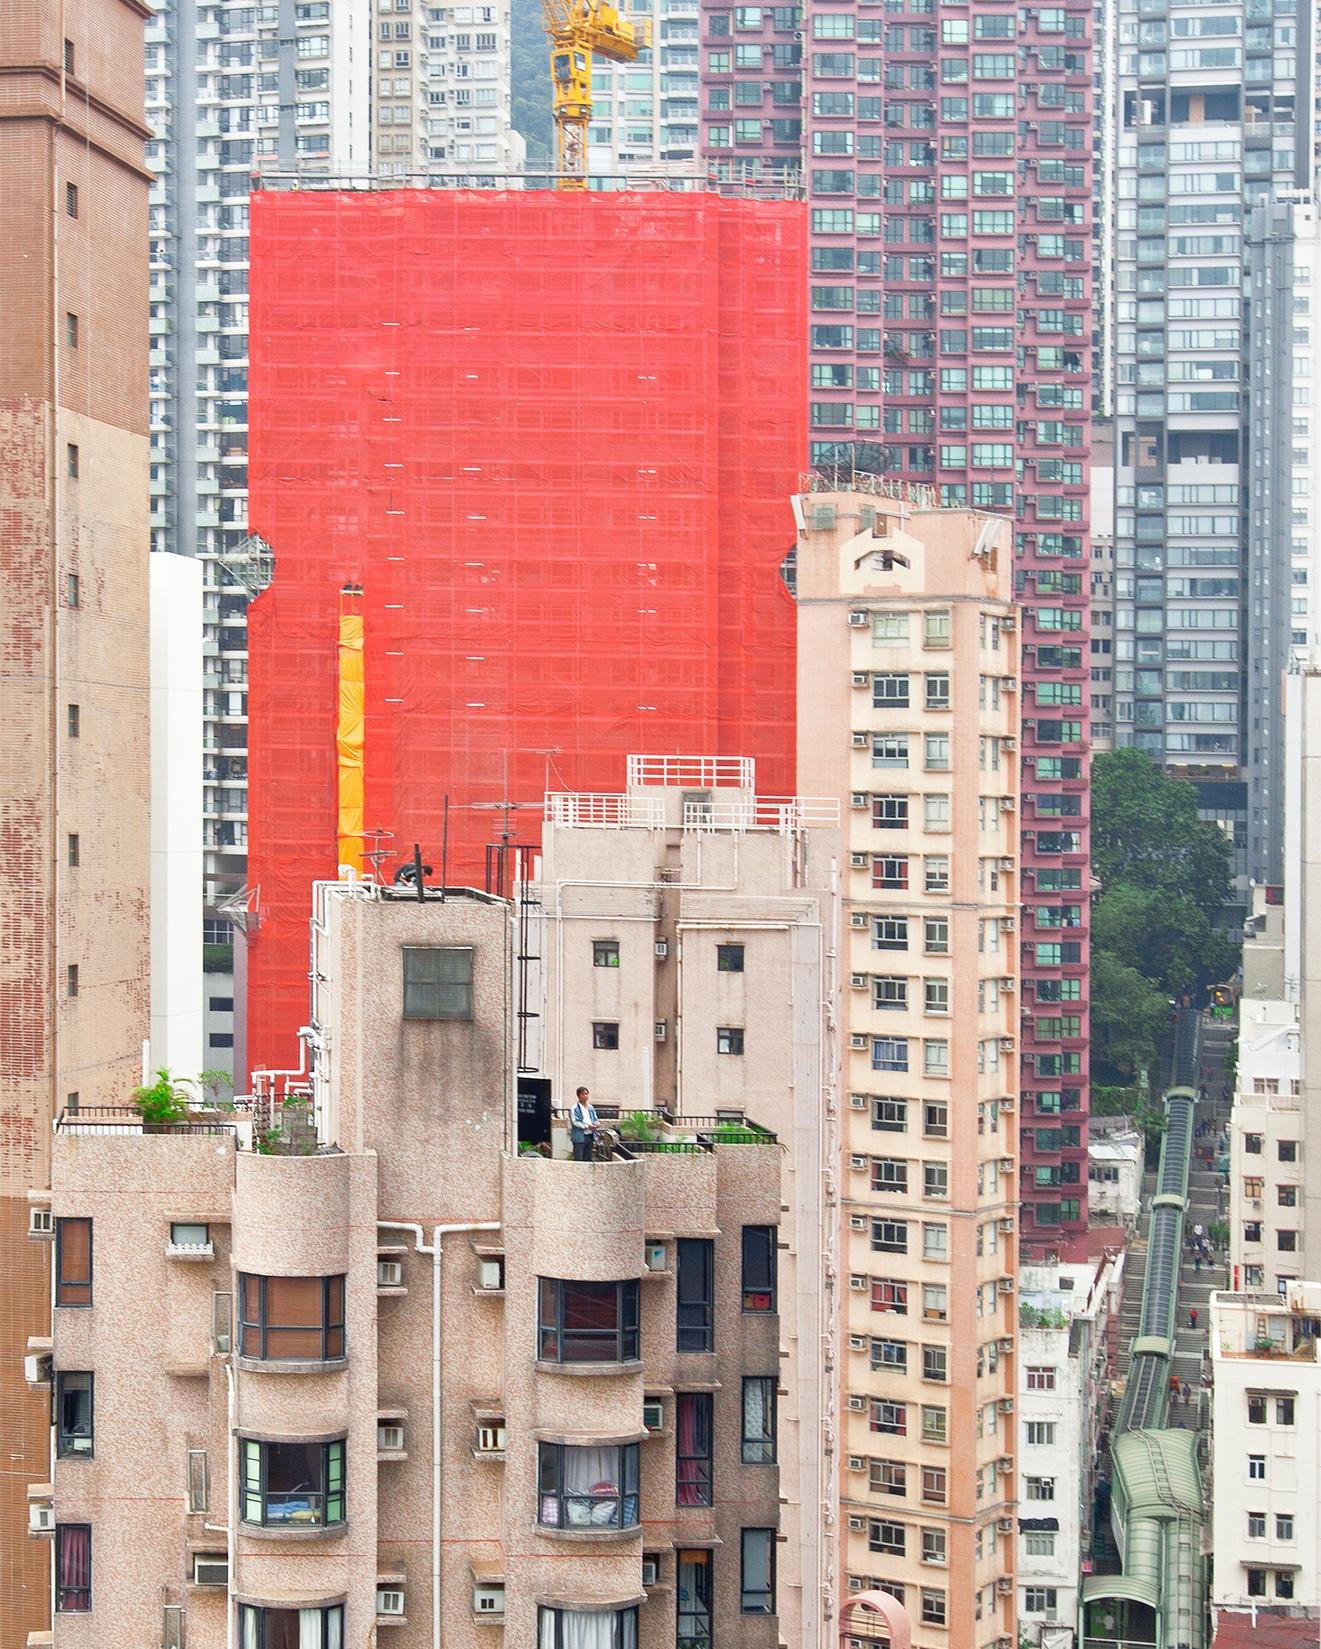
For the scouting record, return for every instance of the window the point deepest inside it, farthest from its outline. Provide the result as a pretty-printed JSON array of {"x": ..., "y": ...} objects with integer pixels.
[
  {"x": 758, "y": 1571},
  {"x": 889, "y": 687},
  {"x": 438, "y": 982},
  {"x": 71, "y": 464},
  {"x": 587, "y": 1488},
  {"x": 759, "y": 1268},
  {"x": 935, "y": 1242},
  {"x": 1256, "y": 1468},
  {"x": 937, "y": 683},
  {"x": 73, "y": 846},
  {"x": 759, "y": 1419},
  {"x": 74, "y": 721},
  {"x": 937, "y": 752},
  {"x": 1252, "y": 1144},
  {"x": 71, "y": 979},
  {"x": 1041, "y": 1432},
  {"x": 605, "y": 953},
  {"x": 695, "y": 1329},
  {"x": 1283, "y": 1526},
  {"x": 936, "y": 935},
  {"x": 1256, "y": 1583},
  {"x": 292, "y": 1485},
  {"x": 73, "y": 1568},
  {"x": 68, "y": 57},
  {"x": 889, "y": 629},
  {"x": 1288, "y": 1150},
  {"x": 889, "y": 1053},
  {"x": 935, "y": 995},
  {"x": 935, "y": 1424},
  {"x": 581, "y": 1322},
  {"x": 889, "y": 1116},
  {"x": 935, "y": 1363},
  {"x": 1040, "y": 1488},
  {"x": 889, "y": 933},
  {"x": 889, "y": 992},
  {"x": 291, "y": 1628},
  {"x": 73, "y": 1262},
  {"x": 1037, "y": 1599},
  {"x": 1256, "y": 1409},
  {"x": 692, "y": 1448},
  {"x": 291, "y": 1318},
  {"x": 605, "y": 1034},
  {"x": 935, "y": 1180},
  {"x": 1037, "y": 1543},
  {"x": 933, "y": 1546},
  {"x": 884, "y": 1535},
  {"x": 693, "y": 1599},
  {"x": 71, "y": 329},
  {"x": 1256, "y": 1525},
  {"x": 729, "y": 1039},
  {"x": 1284, "y": 1411},
  {"x": 889, "y": 812},
  {"x": 73, "y": 1415},
  {"x": 936, "y": 631},
  {"x": 729, "y": 958},
  {"x": 574, "y": 1628},
  {"x": 71, "y": 200},
  {"x": 1040, "y": 1379}
]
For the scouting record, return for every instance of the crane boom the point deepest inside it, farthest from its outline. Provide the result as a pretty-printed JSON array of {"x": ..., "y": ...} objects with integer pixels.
[{"x": 577, "y": 29}]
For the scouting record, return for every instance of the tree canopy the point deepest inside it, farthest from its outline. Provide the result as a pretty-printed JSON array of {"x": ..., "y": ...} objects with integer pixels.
[{"x": 1164, "y": 875}]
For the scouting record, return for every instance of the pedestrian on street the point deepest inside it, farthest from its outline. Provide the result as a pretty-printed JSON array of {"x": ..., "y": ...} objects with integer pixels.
[
  {"x": 1192, "y": 1318},
  {"x": 1197, "y": 1263}
]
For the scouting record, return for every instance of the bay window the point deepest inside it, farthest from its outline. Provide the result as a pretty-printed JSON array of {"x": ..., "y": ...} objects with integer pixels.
[
  {"x": 316, "y": 1628},
  {"x": 291, "y": 1318},
  {"x": 582, "y": 1322},
  {"x": 586, "y": 1628},
  {"x": 587, "y": 1488},
  {"x": 292, "y": 1485}
]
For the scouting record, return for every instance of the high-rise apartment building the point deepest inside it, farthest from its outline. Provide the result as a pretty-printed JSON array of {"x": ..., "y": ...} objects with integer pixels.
[
  {"x": 358, "y": 89},
  {"x": 679, "y": 939},
  {"x": 409, "y": 1376},
  {"x": 908, "y": 648},
  {"x": 645, "y": 113},
  {"x": 554, "y": 552},
  {"x": 948, "y": 161},
  {"x": 1282, "y": 569},
  {"x": 74, "y": 771},
  {"x": 1213, "y": 115}
]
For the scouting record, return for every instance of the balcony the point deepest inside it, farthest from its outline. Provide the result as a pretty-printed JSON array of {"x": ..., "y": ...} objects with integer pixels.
[{"x": 625, "y": 1136}]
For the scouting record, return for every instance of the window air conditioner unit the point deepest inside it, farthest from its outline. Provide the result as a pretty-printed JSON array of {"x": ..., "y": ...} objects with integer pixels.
[
  {"x": 858, "y": 981},
  {"x": 1005, "y": 1525},
  {"x": 858, "y": 1405},
  {"x": 389, "y": 1438},
  {"x": 860, "y": 1283},
  {"x": 1009, "y": 622},
  {"x": 1006, "y": 1044},
  {"x": 389, "y": 1600},
  {"x": 653, "y": 1413},
  {"x": 1006, "y": 1224},
  {"x": 661, "y": 1030},
  {"x": 858, "y": 919},
  {"x": 858, "y": 861},
  {"x": 490, "y": 1273},
  {"x": 389, "y": 1274},
  {"x": 41, "y": 1222},
  {"x": 861, "y": 678},
  {"x": 1006, "y": 1285},
  {"x": 657, "y": 1259},
  {"x": 861, "y": 740},
  {"x": 857, "y": 1162},
  {"x": 1008, "y": 923},
  {"x": 1004, "y": 1465},
  {"x": 1004, "y": 1643},
  {"x": 1007, "y": 863},
  {"x": 650, "y": 1570},
  {"x": 488, "y": 1598},
  {"x": 210, "y": 1569},
  {"x": 857, "y": 1342},
  {"x": 1009, "y": 984},
  {"x": 491, "y": 1437},
  {"x": 1009, "y": 744},
  {"x": 859, "y": 799},
  {"x": 857, "y": 1463},
  {"x": 1006, "y": 1405},
  {"x": 1007, "y": 1102},
  {"x": 858, "y": 1102},
  {"x": 38, "y": 1368},
  {"x": 857, "y": 1222},
  {"x": 1010, "y": 684},
  {"x": 1005, "y": 1344},
  {"x": 1006, "y": 1165},
  {"x": 857, "y": 621},
  {"x": 857, "y": 1524},
  {"x": 1004, "y": 1585},
  {"x": 857, "y": 1040},
  {"x": 1007, "y": 804},
  {"x": 662, "y": 949},
  {"x": 41, "y": 1519}
]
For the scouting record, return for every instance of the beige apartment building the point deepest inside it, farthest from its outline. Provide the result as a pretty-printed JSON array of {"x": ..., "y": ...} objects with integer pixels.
[
  {"x": 74, "y": 777},
  {"x": 908, "y": 667},
  {"x": 681, "y": 938},
  {"x": 399, "y": 1381}
]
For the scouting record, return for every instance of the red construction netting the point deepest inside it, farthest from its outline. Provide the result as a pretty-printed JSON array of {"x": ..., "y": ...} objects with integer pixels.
[{"x": 553, "y": 438}]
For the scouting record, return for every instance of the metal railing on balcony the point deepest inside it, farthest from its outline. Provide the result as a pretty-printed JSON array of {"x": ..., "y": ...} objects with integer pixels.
[
  {"x": 587, "y": 810},
  {"x": 692, "y": 772}
]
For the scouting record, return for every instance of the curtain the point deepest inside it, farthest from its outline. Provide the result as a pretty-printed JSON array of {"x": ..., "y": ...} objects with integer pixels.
[
  {"x": 693, "y": 1481},
  {"x": 580, "y": 1630},
  {"x": 335, "y": 1627},
  {"x": 249, "y": 1640},
  {"x": 309, "y": 1629},
  {"x": 74, "y": 1578}
]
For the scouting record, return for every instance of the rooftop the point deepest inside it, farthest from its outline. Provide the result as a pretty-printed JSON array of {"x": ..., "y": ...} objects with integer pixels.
[{"x": 1264, "y": 1629}]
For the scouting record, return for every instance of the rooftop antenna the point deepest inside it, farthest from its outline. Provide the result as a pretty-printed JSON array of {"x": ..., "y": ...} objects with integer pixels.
[{"x": 379, "y": 853}]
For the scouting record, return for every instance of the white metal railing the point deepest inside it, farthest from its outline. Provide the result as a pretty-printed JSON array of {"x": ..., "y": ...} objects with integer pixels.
[
  {"x": 843, "y": 478},
  {"x": 600, "y": 812},
  {"x": 692, "y": 772},
  {"x": 762, "y": 813}
]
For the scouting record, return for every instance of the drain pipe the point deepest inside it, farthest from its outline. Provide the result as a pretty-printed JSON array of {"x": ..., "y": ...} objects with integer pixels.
[
  {"x": 434, "y": 1248},
  {"x": 227, "y": 1529}
]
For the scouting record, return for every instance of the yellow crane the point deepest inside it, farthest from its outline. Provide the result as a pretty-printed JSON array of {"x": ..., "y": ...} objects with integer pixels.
[{"x": 577, "y": 28}]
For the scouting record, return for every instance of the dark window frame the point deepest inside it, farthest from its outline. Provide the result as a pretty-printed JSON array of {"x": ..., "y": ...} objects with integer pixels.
[
  {"x": 694, "y": 1437},
  {"x": 693, "y": 1624},
  {"x": 728, "y": 954},
  {"x": 620, "y": 1344},
  {"x": 257, "y": 1488},
  {"x": 262, "y": 1635},
  {"x": 334, "y": 1340},
  {"x": 605, "y": 953},
  {"x": 766, "y": 1594},
  {"x": 760, "y": 1449},
  {"x": 695, "y": 1268},
  {"x": 415, "y": 984},
  {"x": 624, "y": 1635},
  {"x": 72, "y": 1599},
  {"x": 552, "y": 1495},
  {"x": 759, "y": 1274},
  {"x": 730, "y": 1039},
  {"x": 68, "y": 1286},
  {"x": 67, "y": 1436},
  {"x": 605, "y": 1036}
]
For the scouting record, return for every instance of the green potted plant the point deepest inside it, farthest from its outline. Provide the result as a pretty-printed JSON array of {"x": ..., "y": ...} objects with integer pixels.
[
  {"x": 641, "y": 1127},
  {"x": 160, "y": 1104}
]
